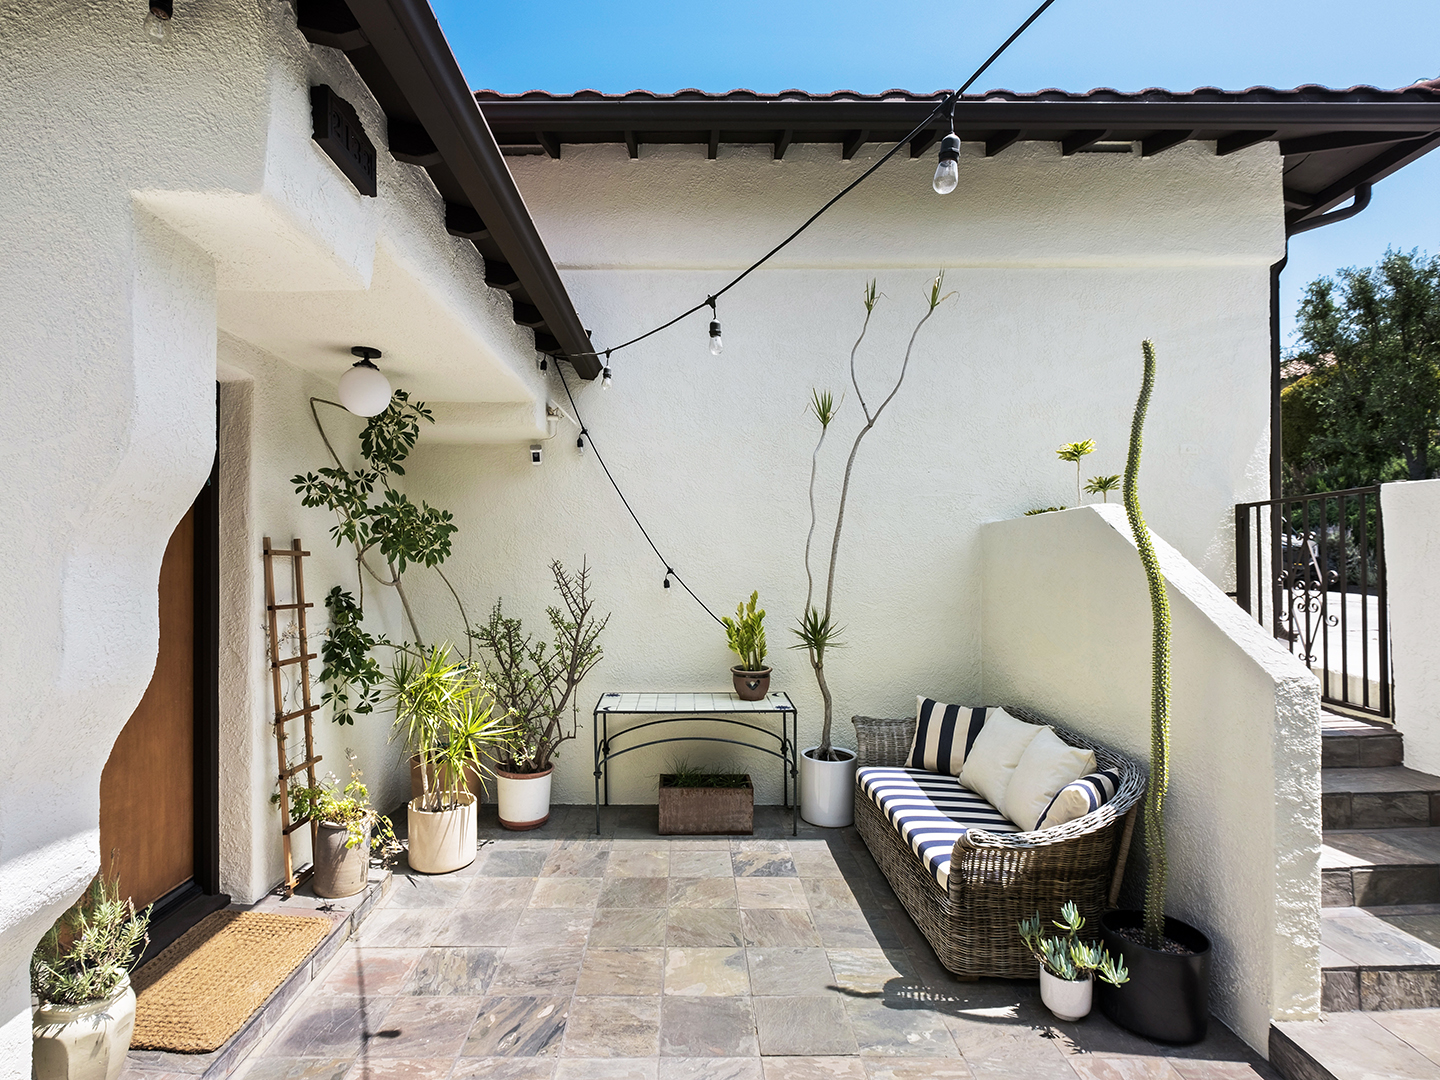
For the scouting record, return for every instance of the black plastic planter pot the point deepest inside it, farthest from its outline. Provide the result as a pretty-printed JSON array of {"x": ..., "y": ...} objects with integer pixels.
[{"x": 1168, "y": 996}]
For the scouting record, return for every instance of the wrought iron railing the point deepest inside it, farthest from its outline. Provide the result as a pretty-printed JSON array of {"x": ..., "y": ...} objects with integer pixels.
[{"x": 1321, "y": 560}]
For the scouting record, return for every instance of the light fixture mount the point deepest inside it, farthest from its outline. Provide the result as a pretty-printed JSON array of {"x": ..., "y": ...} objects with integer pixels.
[{"x": 366, "y": 354}]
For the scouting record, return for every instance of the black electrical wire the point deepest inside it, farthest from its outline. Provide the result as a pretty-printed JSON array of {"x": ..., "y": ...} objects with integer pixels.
[
  {"x": 946, "y": 103},
  {"x": 669, "y": 570}
]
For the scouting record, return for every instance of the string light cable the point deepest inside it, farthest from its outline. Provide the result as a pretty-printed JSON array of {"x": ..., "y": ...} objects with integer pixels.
[{"x": 949, "y": 145}]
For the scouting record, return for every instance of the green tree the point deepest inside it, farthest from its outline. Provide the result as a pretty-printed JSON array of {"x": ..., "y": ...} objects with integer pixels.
[{"x": 1367, "y": 405}]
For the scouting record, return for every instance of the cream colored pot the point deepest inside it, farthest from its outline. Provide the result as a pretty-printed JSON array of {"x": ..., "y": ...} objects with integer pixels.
[
  {"x": 445, "y": 840},
  {"x": 84, "y": 1042},
  {"x": 1067, "y": 1000},
  {"x": 827, "y": 789},
  {"x": 523, "y": 798}
]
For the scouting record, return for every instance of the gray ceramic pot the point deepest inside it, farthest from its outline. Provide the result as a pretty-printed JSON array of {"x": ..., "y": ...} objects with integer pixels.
[{"x": 339, "y": 871}]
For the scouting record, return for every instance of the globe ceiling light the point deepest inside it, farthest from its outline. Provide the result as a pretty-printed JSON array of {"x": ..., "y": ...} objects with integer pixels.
[{"x": 364, "y": 390}]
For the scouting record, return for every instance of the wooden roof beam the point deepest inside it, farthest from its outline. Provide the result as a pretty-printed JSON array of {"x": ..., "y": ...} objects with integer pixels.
[
  {"x": 549, "y": 142},
  {"x": 783, "y": 143},
  {"x": 1239, "y": 140},
  {"x": 922, "y": 142},
  {"x": 1001, "y": 140},
  {"x": 631, "y": 145},
  {"x": 1161, "y": 141},
  {"x": 1078, "y": 140},
  {"x": 853, "y": 142}
]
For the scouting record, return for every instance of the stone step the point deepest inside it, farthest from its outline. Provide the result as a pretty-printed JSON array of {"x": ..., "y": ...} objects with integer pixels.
[
  {"x": 1389, "y": 797},
  {"x": 1376, "y": 867},
  {"x": 1401, "y": 1045},
  {"x": 1379, "y": 959},
  {"x": 1348, "y": 742}
]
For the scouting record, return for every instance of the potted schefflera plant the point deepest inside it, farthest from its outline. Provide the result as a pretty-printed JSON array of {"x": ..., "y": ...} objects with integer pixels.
[
  {"x": 346, "y": 823},
  {"x": 746, "y": 636},
  {"x": 1068, "y": 966},
  {"x": 80, "y": 973},
  {"x": 535, "y": 683},
  {"x": 1168, "y": 995},
  {"x": 445, "y": 711}
]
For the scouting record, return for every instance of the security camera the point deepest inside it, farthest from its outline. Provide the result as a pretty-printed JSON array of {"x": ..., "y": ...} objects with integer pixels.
[{"x": 535, "y": 451}]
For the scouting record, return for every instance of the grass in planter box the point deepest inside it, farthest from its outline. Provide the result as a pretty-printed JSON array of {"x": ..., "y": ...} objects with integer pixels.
[{"x": 695, "y": 800}]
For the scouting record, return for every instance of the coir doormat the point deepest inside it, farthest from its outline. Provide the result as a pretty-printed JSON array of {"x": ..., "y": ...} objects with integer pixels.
[{"x": 200, "y": 991}]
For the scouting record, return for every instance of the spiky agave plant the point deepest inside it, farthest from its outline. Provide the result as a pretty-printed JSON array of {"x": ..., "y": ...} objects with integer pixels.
[{"x": 1160, "y": 673}]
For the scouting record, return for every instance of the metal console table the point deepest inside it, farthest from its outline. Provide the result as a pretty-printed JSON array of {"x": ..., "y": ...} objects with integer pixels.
[{"x": 710, "y": 708}]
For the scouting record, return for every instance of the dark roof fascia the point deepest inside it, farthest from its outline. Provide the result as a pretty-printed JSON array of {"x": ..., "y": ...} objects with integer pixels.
[{"x": 407, "y": 39}]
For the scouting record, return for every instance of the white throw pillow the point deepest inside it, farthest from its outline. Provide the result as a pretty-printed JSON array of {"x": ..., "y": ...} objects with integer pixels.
[
  {"x": 1048, "y": 764},
  {"x": 997, "y": 750}
]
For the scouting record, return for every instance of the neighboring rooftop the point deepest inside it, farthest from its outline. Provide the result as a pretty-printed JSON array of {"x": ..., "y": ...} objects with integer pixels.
[{"x": 1334, "y": 141}]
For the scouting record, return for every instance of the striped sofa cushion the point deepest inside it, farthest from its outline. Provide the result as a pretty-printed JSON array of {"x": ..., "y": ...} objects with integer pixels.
[
  {"x": 1080, "y": 797},
  {"x": 930, "y": 812},
  {"x": 943, "y": 736}
]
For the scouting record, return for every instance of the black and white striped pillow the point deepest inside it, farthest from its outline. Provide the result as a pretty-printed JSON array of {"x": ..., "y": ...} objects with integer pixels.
[
  {"x": 1080, "y": 797},
  {"x": 944, "y": 734}
]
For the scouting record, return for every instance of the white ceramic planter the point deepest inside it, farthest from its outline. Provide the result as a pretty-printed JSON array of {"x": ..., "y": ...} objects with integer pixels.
[
  {"x": 1067, "y": 1000},
  {"x": 84, "y": 1042},
  {"x": 339, "y": 870},
  {"x": 444, "y": 840},
  {"x": 523, "y": 799},
  {"x": 827, "y": 789}
]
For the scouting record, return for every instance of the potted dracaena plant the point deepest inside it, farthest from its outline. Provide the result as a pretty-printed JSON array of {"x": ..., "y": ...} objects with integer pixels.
[
  {"x": 535, "y": 683},
  {"x": 445, "y": 712},
  {"x": 346, "y": 822},
  {"x": 1168, "y": 995},
  {"x": 827, "y": 772},
  {"x": 1068, "y": 966},
  {"x": 80, "y": 975},
  {"x": 746, "y": 636}
]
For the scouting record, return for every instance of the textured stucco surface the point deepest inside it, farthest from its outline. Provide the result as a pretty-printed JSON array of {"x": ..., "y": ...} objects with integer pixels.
[
  {"x": 1059, "y": 268},
  {"x": 1412, "y": 575},
  {"x": 1067, "y": 632},
  {"x": 148, "y": 192}
]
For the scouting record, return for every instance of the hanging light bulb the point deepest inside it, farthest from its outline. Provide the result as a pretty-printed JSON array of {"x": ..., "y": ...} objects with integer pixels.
[
  {"x": 157, "y": 20},
  {"x": 947, "y": 173},
  {"x": 580, "y": 439},
  {"x": 605, "y": 379},
  {"x": 668, "y": 572},
  {"x": 364, "y": 391},
  {"x": 717, "y": 346}
]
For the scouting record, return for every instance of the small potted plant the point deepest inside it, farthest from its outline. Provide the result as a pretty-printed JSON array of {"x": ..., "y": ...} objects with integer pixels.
[
  {"x": 535, "y": 682},
  {"x": 1068, "y": 966},
  {"x": 746, "y": 636},
  {"x": 345, "y": 822},
  {"x": 80, "y": 973},
  {"x": 446, "y": 712},
  {"x": 706, "y": 801}
]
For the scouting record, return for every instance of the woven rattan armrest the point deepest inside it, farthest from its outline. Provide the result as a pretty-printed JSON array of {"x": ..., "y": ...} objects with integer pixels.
[{"x": 881, "y": 742}]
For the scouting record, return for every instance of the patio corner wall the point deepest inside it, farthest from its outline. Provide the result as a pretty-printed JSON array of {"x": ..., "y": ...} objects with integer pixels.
[
  {"x": 1412, "y": 572},
  {"x": 1067, "y": 632}
]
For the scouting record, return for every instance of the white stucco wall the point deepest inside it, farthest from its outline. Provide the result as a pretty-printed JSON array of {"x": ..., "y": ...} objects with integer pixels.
[
  {"x": 1060, "y": 266},
  {"x": 1067, "y": 632},
  {"x": 1412, "y": 576},
  {"x": 149, "y": 191}
]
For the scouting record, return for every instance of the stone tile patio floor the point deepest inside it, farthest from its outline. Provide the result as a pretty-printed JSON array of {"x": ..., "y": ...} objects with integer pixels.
[{"x": 562, "y": 955}]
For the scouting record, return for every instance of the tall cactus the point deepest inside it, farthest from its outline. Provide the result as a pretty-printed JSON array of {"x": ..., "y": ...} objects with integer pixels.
[{"x": 1160, "y": 674}]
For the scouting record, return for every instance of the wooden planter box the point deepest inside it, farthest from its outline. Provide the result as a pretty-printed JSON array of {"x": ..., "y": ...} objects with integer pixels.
[{"x": 692, "y": 810}]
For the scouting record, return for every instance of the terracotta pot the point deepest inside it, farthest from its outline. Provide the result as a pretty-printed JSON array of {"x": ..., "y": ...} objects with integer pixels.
[
  {"x": 443, "y": 840},
  {"x": 1066, "y": 999},
  {"x": 827, "y": 789},
  {"x": 84, "y": 1042},
  {"x": 523, "y": 799},
  {"x": 339, "y": 870},
  {"x": 751, "y": 685}
]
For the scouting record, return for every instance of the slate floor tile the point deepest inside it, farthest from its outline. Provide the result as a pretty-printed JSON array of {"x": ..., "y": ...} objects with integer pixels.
[
  {"x": 706, "y": 972},
  {"x": 707, "y": 1027},
  {"x": 497, "y": 893},
  {"x": 763, "y": 864},
  {"x": 516, "y": 1068},
  {"x": 770, "y": 927},
  {"x": 370, "y": 972},
  {"x": 1090, "y": 1067},
  {"x": 695, "y": 864},
  {"x": 771, "y": 892},
  {"x": 566, "y": 892},
  {"x": 618, "y": 1027},
  {"x": 606, "y": 1068},
  {"x": 474, "y": 926},
  {"x": 515, "y": 863},
  {"x": 577, "y": 859},
  {"x": 813, "y": 1068},
  {"x": 803, "y": 1026},
  {"x": 274, "y": 1069},
  {"x": 882, "y": 1030},
  {"x": 704, "y": 892},
  {"x": 618, "y": 927},
  {"x": 373, "y": 1068},
  {"x": 635, "y": 892},
  {"x": 449, "y": 970},
  {"x": 521, "y": 1026},
  {"x": 789, "y": 971},
  {"x": 916, "y": 1069},
  {"x": 679, "y": 1068},
  {"x": 530, "y": 969},
  {"x": 425, "y": 1027},
  {"x": 553, "y": 927},
  {"x": 704, "y": 927},
  {"x": 330, "y": 1026},
  {"x": 621, "y": 972}
]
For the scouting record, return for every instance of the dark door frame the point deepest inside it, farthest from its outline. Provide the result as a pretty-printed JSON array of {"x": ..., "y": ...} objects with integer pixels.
[{"x": 207, "y": 681}]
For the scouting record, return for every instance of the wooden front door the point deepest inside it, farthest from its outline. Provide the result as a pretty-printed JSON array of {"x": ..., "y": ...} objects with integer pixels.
[{"x": 147, "y": 791}]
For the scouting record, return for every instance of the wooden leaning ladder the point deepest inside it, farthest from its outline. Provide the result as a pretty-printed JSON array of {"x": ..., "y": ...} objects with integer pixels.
[{"x": 293, "y": 880}]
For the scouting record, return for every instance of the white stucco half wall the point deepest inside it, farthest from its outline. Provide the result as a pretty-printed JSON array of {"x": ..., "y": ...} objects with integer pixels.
[
  {"x": 1067, "y": 632},
  {"x": 1411, "y": 512}
]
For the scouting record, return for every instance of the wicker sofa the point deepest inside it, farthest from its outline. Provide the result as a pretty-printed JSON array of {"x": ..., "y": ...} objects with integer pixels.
[{"x": 996, "y": 879}]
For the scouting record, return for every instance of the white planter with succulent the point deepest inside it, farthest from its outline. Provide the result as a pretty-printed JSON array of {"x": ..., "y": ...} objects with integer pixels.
[
  {"x": 80, "y": 973},
  {"x": 1068, "y": 966},
  {"x": 445, "y": 710}
]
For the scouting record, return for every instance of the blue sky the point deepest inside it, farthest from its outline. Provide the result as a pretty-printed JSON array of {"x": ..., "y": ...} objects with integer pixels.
[{"x": 768, "y": 46}]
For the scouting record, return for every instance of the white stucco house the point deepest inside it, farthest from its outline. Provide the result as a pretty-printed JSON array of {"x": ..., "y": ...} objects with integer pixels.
[{"x": 195, "y": 234}]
